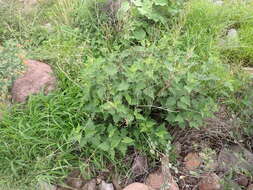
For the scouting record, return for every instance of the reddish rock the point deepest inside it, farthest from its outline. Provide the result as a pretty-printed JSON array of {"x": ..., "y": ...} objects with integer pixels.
[
  {"x": 192, "y": 161},
  {"x": 210, "y": 182},
  {"x": 137, "y": 186},
  {"x": 242, "y": 180},
  {"x": 38, "y": 76},
  {"x": 250, "y": 187},
  {"x": 158, "y": 180}
]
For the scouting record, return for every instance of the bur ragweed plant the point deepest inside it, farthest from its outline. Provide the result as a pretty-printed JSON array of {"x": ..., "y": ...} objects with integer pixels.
[{"x": 11, "y": 67}]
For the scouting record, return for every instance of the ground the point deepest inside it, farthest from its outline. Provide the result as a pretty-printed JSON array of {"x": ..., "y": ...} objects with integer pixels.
[{"x": 126, "y": 94}]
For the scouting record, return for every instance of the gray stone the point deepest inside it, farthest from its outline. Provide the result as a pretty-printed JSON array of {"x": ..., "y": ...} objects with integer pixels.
[
  {"x": 137, "y": 186},
  {"x": 140, "y": 165},
  {"x": 235, "y": 158},
  {"x": 106, "y": 186}
]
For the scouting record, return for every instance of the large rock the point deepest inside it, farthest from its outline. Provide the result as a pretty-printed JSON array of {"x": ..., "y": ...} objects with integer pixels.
[
  {"x": 250, "y": 187},
  {"x": 235, "y": 158},
  {"x": 192, "y": 161},
  {"x": 210, "y": 182},
  {"x": 106, "y": 186},
  {"x": 38, "y": 76},
  {"x": 158, "y": 180},
  {"x": 137, "y": 186}
]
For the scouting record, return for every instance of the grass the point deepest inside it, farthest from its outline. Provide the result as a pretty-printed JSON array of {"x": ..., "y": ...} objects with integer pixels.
[{"x": 40, "y": 141}]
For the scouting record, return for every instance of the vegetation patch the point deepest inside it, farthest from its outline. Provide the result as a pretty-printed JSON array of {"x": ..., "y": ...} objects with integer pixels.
[
  {"x": 11, "y": 67},
  {"x": 132, "y": 79}
]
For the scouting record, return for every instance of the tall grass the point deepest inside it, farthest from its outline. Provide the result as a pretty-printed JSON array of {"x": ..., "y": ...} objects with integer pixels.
[{"x": 39, "y": 141}]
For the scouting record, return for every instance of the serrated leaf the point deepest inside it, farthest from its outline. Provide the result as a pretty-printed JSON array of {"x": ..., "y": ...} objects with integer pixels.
[
  {"x": 105, "y": 146},
  {"x": 179, "y": 119},
  {"x": 139, "y": 34},
  {"x": 125, "y": 7},
  {"x": 123, "y": 86},
  {"x": 111, "y": 130},
  {"x": 122, "y": 148},
  {"x": 115, "y": 140},
  {"x": 182, "y": 105},
  {"x": 127, "y": 140},
  {"x": 161, "y": 2},
  {"x": 111, "y": 70},
  {"x": 186, "y": 100}
]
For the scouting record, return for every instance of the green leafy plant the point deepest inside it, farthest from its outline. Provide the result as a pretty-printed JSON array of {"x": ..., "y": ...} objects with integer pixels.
[
  {"x": 134, "y": 95},
  {"x": 10, "y": 67},
  {"x": 157, "y": 10}
]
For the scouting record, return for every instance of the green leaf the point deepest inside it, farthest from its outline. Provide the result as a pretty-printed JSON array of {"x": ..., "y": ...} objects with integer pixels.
[
  {"x": 111, "y": 70},
  {"x": 111, "y": 130},
  {"x": 161, "y": 2},
  {"x": 179, "y": 118},
  {"x": 122, "y": 148},
  {"x": 123, "y": 86},
  {"x": 139, "y": 34},
  {"x": 115, "y": 140},
  {"x": 171, "y": 102},
  {"x": 186, "y": 100},
  {"x": 105, "y": 146},
  {"x": 138, "y": 116},
  {"x": 125, "y": 6},
  {"x": 127, "y": 140}
]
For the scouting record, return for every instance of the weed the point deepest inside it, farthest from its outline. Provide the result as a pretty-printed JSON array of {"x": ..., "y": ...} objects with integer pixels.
[
  {"x": 10, "y": 68},
  {"x": 123, "y": 83}
]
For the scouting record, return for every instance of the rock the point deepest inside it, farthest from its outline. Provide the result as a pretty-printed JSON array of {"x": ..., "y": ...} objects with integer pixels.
[
  {"x": 38, "y": 76},
  {"x": 235, "y": 158},
  {"x": 210, "y": 182},
  {"x": 155, "y": 180},
  {"x": 158, "y": 180},
  {"x": 137, "y": 186},
  {"x": 248, "y": 69},
  {"x": 250, "y": 187},
  {"x": 140, "y": 165},
  {"x": 232, "y": 33},
  {"x": 75, "y": 180},
  {"x": 48, "y": 27},
  {"x": 90, "y": 185},
  {"x": 192, "y": 161},
  {"x": 232, "y": 38},
  {"x": 106, "y": 186},
  {"x": 76, "y": 183},
  {"x": 242, "y": 180}
]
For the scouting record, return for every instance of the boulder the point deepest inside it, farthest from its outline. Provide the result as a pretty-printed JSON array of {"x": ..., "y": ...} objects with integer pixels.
[
  {"x": 210, "y": 182},
  {"x": 38, "y": 76},
  {"x": 192, "y": 161},
  {"x": 235, "y": 158},
  {"x": 158, "y": 180},
  {"x": 250, "y": 187},
  {"x": 242, "y": 180},
  {"x": 137, "y": 186},
  {"x": 106, "y": 186}
]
